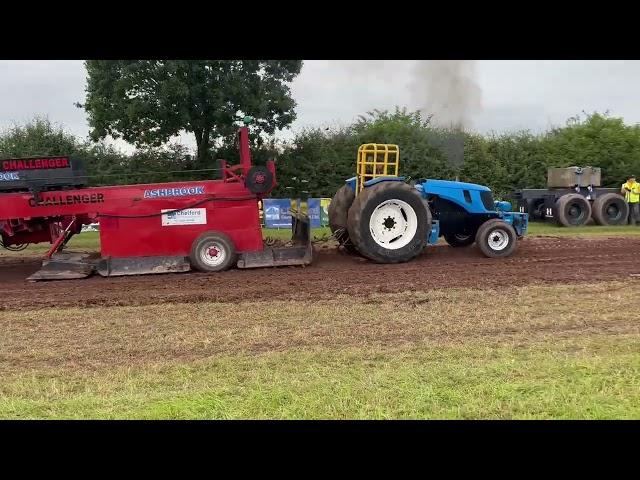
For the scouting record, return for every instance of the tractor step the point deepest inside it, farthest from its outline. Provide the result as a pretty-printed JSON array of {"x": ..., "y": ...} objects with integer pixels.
[
  {"x": 115, "y": 267},
  {"x": 66, "y": 266}
]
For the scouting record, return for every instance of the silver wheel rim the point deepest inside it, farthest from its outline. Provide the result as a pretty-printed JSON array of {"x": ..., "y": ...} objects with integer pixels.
[
  {"x": 213, "y": 254},
  {"x": 498, "y": 239},
  {"x": 393, "y": 224}
]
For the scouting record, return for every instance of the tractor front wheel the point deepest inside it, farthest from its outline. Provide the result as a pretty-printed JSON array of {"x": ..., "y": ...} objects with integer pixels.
[
  {"x": 389, "y": 222},
  {"x": 496, "y": 238}
]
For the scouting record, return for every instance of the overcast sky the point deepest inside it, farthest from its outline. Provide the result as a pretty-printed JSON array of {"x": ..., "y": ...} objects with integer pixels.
[{"x": 513, "y": 95}]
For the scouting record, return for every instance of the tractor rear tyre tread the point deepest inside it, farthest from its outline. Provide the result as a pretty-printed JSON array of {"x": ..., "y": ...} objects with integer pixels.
[
  {"x": 203, "y": 252},
  {"x": 566, "y": 203},
  {"x": 338, "y": 211},
  {"x": 610, "y": 209},
  {"x": 364, "y": 206},
  {"x": 493, "y": 247},
  {"x": 457, "y": 240}
]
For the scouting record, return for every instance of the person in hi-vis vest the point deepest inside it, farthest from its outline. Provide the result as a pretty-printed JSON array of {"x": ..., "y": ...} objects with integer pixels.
[{"x": 631, "y": 192}]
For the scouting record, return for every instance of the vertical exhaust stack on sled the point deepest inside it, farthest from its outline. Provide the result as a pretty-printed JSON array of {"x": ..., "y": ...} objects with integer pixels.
[{"x": 209, "y": 225}]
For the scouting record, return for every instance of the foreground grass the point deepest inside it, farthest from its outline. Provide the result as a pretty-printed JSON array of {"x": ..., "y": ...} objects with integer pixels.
[
  {"x": 581, "y": 379},
  {"x": 546, "y": 229},
  {"x": 459, "y": 353}
]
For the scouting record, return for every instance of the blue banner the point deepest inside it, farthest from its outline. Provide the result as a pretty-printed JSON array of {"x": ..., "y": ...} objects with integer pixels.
[
  {"x": 277, "y": 212},
  {"x": 313, "y": 210}
]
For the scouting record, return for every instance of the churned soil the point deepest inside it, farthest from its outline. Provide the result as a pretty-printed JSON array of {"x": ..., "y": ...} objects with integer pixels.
[{"x": 334, "y": 272}]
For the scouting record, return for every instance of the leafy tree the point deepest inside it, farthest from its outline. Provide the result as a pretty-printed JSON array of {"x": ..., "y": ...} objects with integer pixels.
[
  {"x": 146, "y": 102},
  {"x": 156, "y": 165},
  {"x": 421, "y": 146},
  {"x": 480, "y": 166},
  {"x": 318, "y": 160},
  {"x": 105, "y": 165},
  {"x": 326, "y": 157},
  {"x": 522, "y": 160},
  {"x": 597, "y": 140},
  {"x": 38, "y": 137}
]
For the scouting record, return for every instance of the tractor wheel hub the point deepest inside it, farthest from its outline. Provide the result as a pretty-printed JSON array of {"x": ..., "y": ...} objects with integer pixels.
[
  {"x": 389, "y": 223},
  {"x": 393, "y": 224},
  {"x": 213, "y": 254}
]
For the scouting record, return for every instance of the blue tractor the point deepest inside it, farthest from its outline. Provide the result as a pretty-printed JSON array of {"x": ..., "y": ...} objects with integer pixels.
[{"x": 380, "y": 216}]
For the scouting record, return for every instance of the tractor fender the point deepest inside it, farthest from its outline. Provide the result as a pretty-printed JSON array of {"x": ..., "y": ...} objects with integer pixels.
[{"x": 351, "y": 182}]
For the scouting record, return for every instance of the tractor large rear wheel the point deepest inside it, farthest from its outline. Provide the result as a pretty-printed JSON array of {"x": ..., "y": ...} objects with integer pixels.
[
  {"x": 389, "y": 222},
  {"x": 338, "y": 211}
]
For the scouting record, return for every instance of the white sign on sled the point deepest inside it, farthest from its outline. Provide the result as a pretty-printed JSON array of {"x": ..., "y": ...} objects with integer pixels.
[{"x": 190, "y": 216}]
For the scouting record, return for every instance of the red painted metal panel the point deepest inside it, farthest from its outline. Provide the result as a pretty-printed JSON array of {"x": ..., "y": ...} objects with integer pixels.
[
  {"x": 130, "y": 216},
  {"x": 131, "y": 237},
  {"x": 230, "y": 208}
]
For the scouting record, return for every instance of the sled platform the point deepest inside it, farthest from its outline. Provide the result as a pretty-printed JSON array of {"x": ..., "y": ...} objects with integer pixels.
[{"x": 299, "y": 253}]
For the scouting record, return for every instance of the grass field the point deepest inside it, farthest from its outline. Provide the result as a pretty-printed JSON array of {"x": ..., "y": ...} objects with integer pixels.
[
  {"x": 537, "y": 229},
  {"x": 513, "y": 353},
  {"x": 455, "y": 353},
  {"x": 91, "y": 240}
]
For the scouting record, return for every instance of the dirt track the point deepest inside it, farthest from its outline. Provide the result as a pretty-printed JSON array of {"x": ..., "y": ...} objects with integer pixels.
[{"x": 333, "y": 273}]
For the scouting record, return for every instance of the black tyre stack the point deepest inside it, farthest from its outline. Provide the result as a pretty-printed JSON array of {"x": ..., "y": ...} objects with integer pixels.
[
  {"x": 573, "y": 210},
  {"x": 610, "y": 209}
]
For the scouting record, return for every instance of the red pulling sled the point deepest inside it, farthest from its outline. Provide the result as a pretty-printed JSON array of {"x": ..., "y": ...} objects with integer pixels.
[{"x": 208, "y": 225}]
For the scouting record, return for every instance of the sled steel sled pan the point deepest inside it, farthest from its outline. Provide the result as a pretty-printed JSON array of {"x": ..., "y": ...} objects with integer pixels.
[
  {"x": 117, "y": 267},
  {"x": 66, "y": 266},
  {"x": 73, "y": 265},
  {"x": 299, "y": 253}
]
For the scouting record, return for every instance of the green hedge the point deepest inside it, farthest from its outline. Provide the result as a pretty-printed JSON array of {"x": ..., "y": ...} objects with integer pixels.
[{"x": 325, "y": 157}]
